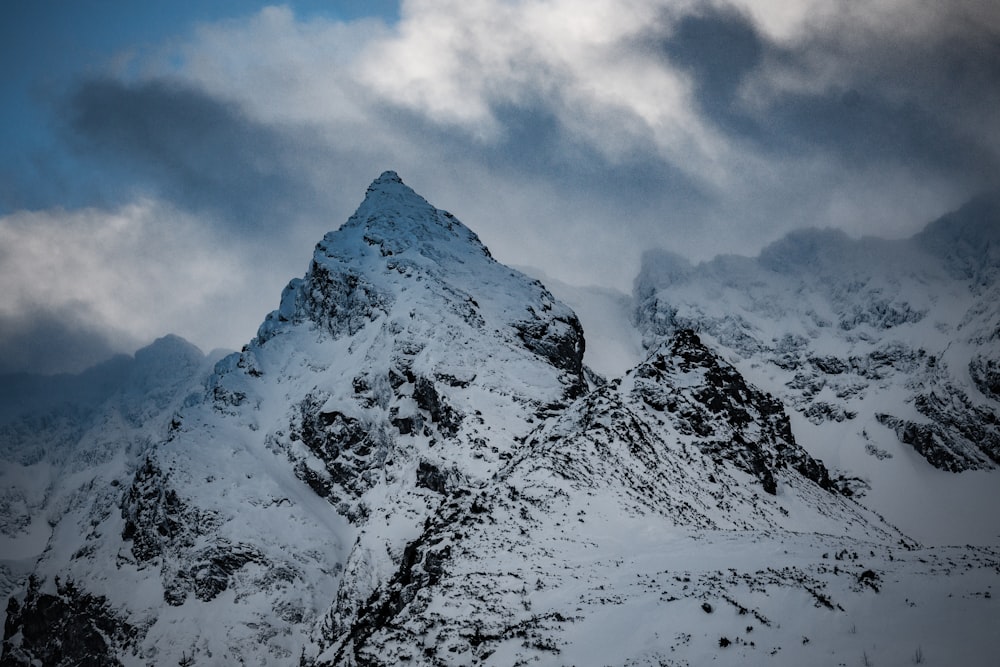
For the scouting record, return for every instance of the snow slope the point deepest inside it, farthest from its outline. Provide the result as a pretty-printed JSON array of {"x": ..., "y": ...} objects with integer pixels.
[
  {"x": 886, "y": 351},
  {"x": 622, "y": 537}
]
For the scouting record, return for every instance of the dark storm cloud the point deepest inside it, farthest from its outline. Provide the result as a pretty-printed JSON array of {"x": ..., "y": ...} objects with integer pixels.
[
  {"x": 904, "y": 104},
  {"x": 925, "y": 103},
  {"x": 864, "y": 128},
  {"x": 200, "y": 152},
  {"x": 536, "y": 144},
  {"x": 53, "y": 340},
  {"x": 718, "y": 48}
]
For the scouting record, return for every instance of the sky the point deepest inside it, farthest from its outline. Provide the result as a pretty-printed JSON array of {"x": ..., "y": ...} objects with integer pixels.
[{"x": 167, "y": 167}]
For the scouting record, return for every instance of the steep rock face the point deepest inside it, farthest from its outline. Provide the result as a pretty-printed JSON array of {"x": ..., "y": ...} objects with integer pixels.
[
  {"x": 403, "y": 369},
  {"x": 985, "y": 373},
  {"x": 952, "y": 433},
  {"x": 66, "y": 627},
  {"x": 732, "y": 420}
]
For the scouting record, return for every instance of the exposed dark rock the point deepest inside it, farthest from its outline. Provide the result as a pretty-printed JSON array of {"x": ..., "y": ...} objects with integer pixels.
[
  {"x": 894, "y": 357},
  {"x": 821, "y": 411},
  {"x": 156, "y": 518},
  {"x": 880, "y": 314},
  {"x": 852, "y": 487},
  {"x": 342, "y": 302},
  {"x": 71, "y": 628},
  {"x": 215, "y": 565},
  {"x": 339, "y": 302},
  {"x": 558, "y": 340},
  {"x": 224, "y": 397},
  {"x": 159, "y": 523},
  {"x": 977, "y": 425},
  {"x": 870, "y": 579},
  {"x": 430, "y": 477},
  {"x": 348, "y": 449},
  {"x": 714, "y": 403},
  {"x": 453, "y": 381},
  {"x": 409, "y": 424},
  {"x": 398, "y": 379},
  {"x": 807, "y": 385},
  {"x": 427, "y": 397},
  {"x": 829, "y": 365},
  {"x": 986, "y": 374},
  {"x": 319, "y": 483},
  {"x": 953, "y": 443}
]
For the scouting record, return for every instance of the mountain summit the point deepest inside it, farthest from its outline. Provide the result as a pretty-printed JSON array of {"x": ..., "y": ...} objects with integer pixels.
[{"x": 409, "y": 464}]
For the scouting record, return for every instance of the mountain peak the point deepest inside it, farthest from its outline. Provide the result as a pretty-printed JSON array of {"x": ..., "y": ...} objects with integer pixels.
[
  {"x": 411, "y": 267},
  {"x": 968, "y": 239},
  {"x": 807, "y": 249},
  {"x": 387, "y": 176},
  {"x": 394, "y": 219},
  {"x": 389, "y": 184},
  {"x": 388, "y": 193}
]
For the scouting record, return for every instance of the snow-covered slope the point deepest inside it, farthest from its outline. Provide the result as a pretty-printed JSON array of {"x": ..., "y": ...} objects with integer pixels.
[
  {"x": 409, "y": 465},
  {"x": 640, "y": 527},
  {"x": 67, "y": 441},
  {"x": 887, "y": 351}
]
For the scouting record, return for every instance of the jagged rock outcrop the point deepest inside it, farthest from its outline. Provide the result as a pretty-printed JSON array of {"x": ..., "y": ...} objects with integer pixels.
[
  {"x": 732, "y": 420},
  {"x": 506, "y": 574},
  {"x": 65, "y": 627}
]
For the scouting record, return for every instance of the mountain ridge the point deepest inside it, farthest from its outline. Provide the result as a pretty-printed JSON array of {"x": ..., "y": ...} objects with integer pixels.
[{"x": 411, "y": 463}]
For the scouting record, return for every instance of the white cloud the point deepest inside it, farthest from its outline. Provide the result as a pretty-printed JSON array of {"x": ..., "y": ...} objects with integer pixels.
[
  {"x": 137, "y": 272},
  {"x": 458, "y": 62},
  {"x": 455, "y": 63}
]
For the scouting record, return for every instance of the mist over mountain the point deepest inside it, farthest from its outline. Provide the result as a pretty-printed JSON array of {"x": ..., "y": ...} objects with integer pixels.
[{"x": 425, "y": 457}]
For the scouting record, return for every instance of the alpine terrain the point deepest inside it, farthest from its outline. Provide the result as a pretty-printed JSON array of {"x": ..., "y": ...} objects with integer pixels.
[{"x": 790, "y": 459}]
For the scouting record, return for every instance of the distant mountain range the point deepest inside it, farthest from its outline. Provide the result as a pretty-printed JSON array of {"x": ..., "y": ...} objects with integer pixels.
[{"x": 423, "y": 458}]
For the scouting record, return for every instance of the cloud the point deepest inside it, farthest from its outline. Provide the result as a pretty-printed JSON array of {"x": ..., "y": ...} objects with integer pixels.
[
  {"x": 55, "y": 340},
  {"x": 81, "y": 283},
  {"x": 718, "y": 46},
  {"x": 706, "y": 101},
  {"x": 570, "y": 137},
  {"x": 463, "y": 65},
  {"x": 192, "y": 148},
  {"x": 912, "y": 82}
]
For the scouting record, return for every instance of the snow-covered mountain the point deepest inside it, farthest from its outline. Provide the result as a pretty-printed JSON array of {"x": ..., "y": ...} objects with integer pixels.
[
  {"x": 410, "y": 464},
  {"x": 885, "y": 352}
]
